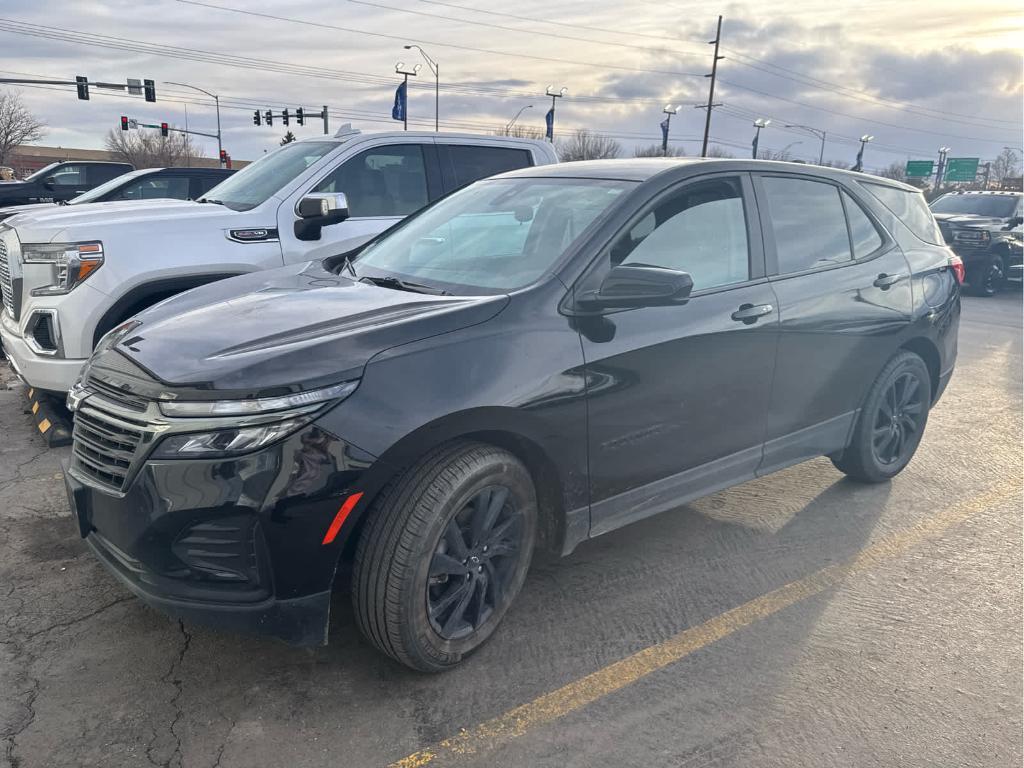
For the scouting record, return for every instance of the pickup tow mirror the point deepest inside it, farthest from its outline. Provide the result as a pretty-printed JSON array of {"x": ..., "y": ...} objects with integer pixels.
[
  {"x": 316, "y": 211},
  {"x": 639, "y": 285},
  {"x": 50, "y": 182}
]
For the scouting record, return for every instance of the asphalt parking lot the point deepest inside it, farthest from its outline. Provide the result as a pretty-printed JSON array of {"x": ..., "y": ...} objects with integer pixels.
[{"x": 799, "y": 620}]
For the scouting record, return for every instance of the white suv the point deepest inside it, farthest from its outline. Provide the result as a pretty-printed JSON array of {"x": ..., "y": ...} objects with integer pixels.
[{"x": 68, "y": 276}]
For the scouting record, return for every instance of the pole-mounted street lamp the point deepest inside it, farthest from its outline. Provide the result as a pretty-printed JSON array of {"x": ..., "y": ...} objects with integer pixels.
[
  {"x": 758, "y": 124},
  {"x": 512, "y": 122},
  {"x": 941, "y": 170},
  {"x": 550, "y": 91},
  {"x": 436, "y": 69},
  {"x": 859, "y": 166},
  {"x": 820, "y": 133},
  {"x": 668, "y": 111},
  {"x": 406, "y": 73},
  {"x": 216, "y": 102}
]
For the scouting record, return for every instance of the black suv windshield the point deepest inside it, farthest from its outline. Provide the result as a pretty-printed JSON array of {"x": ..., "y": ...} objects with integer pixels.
[
  {"x": 493, "y": 236},
  {"x": 254, "y": 184},
  {"x": 997, "y": 206}
]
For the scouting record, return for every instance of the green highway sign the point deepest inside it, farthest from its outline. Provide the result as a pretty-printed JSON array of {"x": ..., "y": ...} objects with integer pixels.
[
  {"x": 961, "y": 168},
  {"x": 919, "y": 168}
]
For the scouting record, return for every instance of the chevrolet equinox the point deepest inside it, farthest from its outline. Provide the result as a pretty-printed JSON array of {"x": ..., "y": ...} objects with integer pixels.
[{"x": 537, "y": 359}]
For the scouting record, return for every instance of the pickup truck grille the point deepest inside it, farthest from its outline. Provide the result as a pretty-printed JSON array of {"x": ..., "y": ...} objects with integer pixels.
[
  {"x": 6, "y": 284},
  {"x": 105, "y": 447}
]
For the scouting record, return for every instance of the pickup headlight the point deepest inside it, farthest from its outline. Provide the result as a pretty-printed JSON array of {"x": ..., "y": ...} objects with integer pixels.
[
  {"x": 74, "y": 263},
  {"x": 974, "y": 236}
]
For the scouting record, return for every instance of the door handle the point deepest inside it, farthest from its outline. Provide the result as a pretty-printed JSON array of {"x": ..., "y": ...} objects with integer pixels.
[
  {"x": 750, "y": 313},
  {"x": 885, "y": 282}
]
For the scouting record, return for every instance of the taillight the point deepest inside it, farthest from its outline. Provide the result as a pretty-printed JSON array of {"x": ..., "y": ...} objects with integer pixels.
[{"x": 957, "y": 265}]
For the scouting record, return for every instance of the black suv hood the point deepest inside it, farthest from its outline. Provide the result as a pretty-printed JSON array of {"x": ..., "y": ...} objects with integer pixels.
[
  {"x": 288, "y": 329},
  {"x": 971, "y": 221}
]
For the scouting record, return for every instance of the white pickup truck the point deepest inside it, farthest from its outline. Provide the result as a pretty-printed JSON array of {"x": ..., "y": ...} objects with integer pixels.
[{"x": 68, "y": 276}]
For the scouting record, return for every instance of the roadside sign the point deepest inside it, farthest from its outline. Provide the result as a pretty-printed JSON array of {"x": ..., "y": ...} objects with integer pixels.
[
  {"x": 961, "y": 168},
  {"x": 134, "y": 86},
  {"x": 919, "y": 168}
]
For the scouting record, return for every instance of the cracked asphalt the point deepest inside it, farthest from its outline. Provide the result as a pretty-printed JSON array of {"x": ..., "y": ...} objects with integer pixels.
[{"x": 912, "y": 659}]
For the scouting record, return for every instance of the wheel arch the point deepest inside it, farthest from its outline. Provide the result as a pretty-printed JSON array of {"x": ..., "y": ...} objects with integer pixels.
[
  {"x": 925, "y": 348},
  {"x": 146, "y": 295}
]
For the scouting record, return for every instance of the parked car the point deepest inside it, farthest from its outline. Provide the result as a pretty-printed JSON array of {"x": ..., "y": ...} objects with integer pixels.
[
  {"x": 539, "y": 358},
  {"x": 71, "y": 274},
  {"x": 145, "y": 184},
  {"x": 60, "y": 181},
  {"x": 984, "y": 229}
]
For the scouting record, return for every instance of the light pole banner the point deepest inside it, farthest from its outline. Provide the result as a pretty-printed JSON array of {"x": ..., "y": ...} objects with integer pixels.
[
  {"x": 549, "y": 121},
  {"x": 401, "y": 104},
  {"x": 664, "y": 130}
]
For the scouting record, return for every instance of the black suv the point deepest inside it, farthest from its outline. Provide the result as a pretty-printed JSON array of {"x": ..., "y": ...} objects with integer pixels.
[
  {"x": 146, "y": 184},
  {"x": 539, "y": 358},
  {"x": 60, "y": 181},
  {"x": 984, "y": 229}
]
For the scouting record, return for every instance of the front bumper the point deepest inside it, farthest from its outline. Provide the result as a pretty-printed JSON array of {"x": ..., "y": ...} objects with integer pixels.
[
  {"x": 42, "y": 372},
  {"x": 231, "y": 543}
]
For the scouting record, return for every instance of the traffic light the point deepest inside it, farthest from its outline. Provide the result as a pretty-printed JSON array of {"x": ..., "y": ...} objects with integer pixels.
[
  {"x": 82, "y": 83},
  {"x": 149, "y": 88},
  {"x": 225, "y": 161},
  {"x": 163, "y": 129},
  {"x": 284, "y": 116},
  {"x": 300, "y": 118},
  {"x": 269, "y": 116},
  {"x": 257, "y": 118},
  {"x": 124, "y": 122}
]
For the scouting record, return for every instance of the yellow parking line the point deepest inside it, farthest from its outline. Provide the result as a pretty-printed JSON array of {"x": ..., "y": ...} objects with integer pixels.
[
  {"x": 44, "y": 425},
  {"x": 35, "y": 408},
  {"x": 569, "y": 698}
]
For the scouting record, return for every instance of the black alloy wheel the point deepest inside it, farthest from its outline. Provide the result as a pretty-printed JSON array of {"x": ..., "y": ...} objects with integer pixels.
[
  {"x": 992, "y": 280},
  {"x": 474, "y": 563},
  {"x": 897, "y": 419}
]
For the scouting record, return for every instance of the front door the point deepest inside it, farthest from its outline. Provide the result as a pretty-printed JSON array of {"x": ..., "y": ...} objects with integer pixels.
[{"x": 677, "y": 395}]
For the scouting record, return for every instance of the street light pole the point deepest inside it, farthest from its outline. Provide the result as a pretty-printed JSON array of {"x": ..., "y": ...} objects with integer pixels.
[
  {"x": 941, "y": 170},
  {"x": 401, "y": 70},
  {"x": 860, "y": 155},
  {"x": 758, "y": 124},
  {"x": 668, "y": 110},
  {"x": 436, "y": 69},
  {"x": 814, "y": 132},
  {"x": 550, "y": 91},
  {"x": 512, "y": 122},
  {"x": 216, "y": 103}
]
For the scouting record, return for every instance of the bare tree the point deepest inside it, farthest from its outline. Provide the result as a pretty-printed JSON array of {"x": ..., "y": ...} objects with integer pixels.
[
  {"x": 521, "y": 132},
  {"x": 151, "y": 150},
  {"x": 17, "y": 125},
  {"x": 1006, "y": 165},
  {"x": 584, "y": 145},
  {"x": 716, "y": 151},
  {"x": 897, "y": 171},
  {"x": 654, "y": 150}
]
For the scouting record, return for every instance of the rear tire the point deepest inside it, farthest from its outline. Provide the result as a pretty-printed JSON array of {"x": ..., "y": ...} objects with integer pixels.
[
  {"x": 991, "y": 276},
  {"x": 891, "y": 422},
  {"x": 444, "y": 552}
]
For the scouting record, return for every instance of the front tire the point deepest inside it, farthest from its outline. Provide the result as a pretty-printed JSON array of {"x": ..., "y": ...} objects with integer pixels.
[
  {"x": 891, "y": 423},
  {"x": 444, "y": 553},
  {"x": 991, "y": 276}
]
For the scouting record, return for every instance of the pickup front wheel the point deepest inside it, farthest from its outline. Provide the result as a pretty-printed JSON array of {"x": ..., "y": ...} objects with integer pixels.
[{"x": 444, "y": 552}]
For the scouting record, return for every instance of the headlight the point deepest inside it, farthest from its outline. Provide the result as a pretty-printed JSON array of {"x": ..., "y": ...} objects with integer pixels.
[
  {"x": 224, "y": 442},
  {"x": 199, "y": 408},
  {"x": 74, "y": 263}
]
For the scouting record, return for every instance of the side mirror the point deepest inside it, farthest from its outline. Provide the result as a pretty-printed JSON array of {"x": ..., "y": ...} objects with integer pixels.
[
  {"x": 316, "y": 211},
  {"x": 50, "y": 182},
  {"x": 639, "y": 285},
  {"x": 1016, "y": 221}
]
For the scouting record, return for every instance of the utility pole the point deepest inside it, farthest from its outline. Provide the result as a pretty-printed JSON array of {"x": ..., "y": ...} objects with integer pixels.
[
  {"x": 323, "y": 114},
  {"x": 940, "y": 171},
  {"x": 711, "y": 90},
  {"x": 550, "y": 117},
  {"x": 436, "y": 69},
  {"x": 669, "y": 110}
]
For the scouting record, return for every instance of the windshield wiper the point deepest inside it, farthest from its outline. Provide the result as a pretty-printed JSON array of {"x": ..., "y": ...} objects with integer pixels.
[
  {"x": 403, "y": 285},
  {"x": 210, "y": 200}
]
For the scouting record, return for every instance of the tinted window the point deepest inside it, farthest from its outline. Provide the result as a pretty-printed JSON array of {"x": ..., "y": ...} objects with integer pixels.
[
  {"x": 866, "y": 239},
  {"x": 206, "y": 183},
  {"x": 473, "y": 163},
  {"x": 387, "y": 181},
  {"x": 154, "y": 187},
  {"x": 70, "y": 176},
  {"x": 910, "y": 208},
  {"x": 701, "y": 230},
  {"x": 808, "y": 222},
  {"x": 98, "y": 174},
  {"x": 492, "y": 236}
]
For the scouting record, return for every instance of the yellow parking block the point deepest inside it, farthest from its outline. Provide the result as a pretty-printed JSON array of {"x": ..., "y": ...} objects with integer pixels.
[
  {"x": 35, "y": 408},
  {"x": 44, "y": 425}
]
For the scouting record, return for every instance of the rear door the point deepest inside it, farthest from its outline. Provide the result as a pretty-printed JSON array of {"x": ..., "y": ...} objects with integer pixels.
[
  {"x": 844, "y": 296},
  {"x": 677, "y": 395}
]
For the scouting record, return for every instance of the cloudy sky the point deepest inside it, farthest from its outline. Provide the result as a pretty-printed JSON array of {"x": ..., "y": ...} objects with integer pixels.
[{"x": 916, "y": 75}]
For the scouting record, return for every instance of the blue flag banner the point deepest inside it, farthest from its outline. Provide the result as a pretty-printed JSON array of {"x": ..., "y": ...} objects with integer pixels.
[
  {"x": 401, "y": 103},
  {"x": 664, "y": 130},
  {"x": 549, "y": 121}
]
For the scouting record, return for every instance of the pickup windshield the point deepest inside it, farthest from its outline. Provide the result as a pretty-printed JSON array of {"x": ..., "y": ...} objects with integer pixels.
[
  {"x": 997, "y": 206},
  {"x": 491, "y": 237},
  {"x": 42, "y": 172},
  {"x": 256, "y": 183}
]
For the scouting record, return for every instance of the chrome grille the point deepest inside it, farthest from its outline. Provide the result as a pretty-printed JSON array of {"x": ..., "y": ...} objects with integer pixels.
[
  {"x": 105, "y": 447},
  {"x": 6, "y": 284}
]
